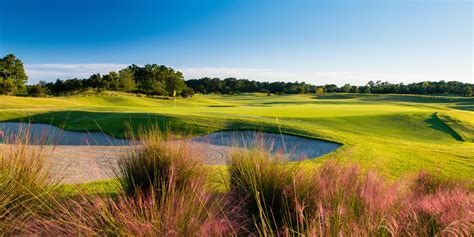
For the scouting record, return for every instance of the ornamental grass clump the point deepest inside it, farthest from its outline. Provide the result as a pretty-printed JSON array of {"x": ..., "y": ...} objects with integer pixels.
[
  {"x": 335, "y": 199},
  {"x": 343, "y": 200},
  {"x": 163, "y": 192},
  {"x": 25, "y": 182},
  {"x": 259, "y": 184},
  {"x": 435, "y": 206},
  {"x": 156, "y": 163}
]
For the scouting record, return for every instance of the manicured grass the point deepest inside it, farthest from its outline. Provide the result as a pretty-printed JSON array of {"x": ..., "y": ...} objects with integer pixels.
[
  {"x": 461, "y": 122},
  {"x": 100, "y": 187},
  {"x": 394, "y": 134}
]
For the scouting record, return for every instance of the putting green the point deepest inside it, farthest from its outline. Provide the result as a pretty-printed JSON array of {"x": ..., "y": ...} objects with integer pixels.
[{"x": 394, "y": 134}]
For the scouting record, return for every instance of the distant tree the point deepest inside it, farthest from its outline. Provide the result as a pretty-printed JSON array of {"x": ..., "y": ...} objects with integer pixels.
[
  {"x": 371, "y": 84},
  {"x": 364, "y": 89},
  {"x": 36, "y": 90},
  {"x": 95, "y": 81},
  {"x": 126, "y": 81},
  {"x": 425, "y": 87},
  {"x": 174, "y": 84},
  {"x": 233, "y": 85},
  {"x": 111, "y": 81},
  {"x": 467, "y": 91},
  {"x": 331, "y": 88},
  {"x": 187, "y": 92},
  {"x": 354, "y": 89},
  {"x": 157, "y": 88},
  {"x": 152, "y": 79},
  {"x": 346, "y": 88}
]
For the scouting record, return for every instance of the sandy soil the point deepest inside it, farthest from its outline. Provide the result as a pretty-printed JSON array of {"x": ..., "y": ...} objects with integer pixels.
[{"x": 78, "y": 164}]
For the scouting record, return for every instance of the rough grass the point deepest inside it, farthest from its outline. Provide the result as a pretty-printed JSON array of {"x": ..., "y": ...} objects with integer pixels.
[
  {"x": 342, "y": 200},
  {"x": 167, "y": 194},
  {"x": 162, "y": 192},
  {"x": 155, "y": 164},
  {"x": 24, "y": 183},
  {"x": 258, "y": 182}
]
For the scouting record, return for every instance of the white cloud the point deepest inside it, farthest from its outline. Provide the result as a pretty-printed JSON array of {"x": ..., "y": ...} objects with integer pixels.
[{"x": 50, "y": 72}]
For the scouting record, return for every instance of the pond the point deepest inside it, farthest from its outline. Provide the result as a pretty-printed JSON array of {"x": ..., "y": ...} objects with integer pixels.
[{"x": 294, "y": 147}]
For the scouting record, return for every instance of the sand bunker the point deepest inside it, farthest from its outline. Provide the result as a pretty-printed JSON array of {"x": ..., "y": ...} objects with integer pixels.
[{"x": 80, "y": 157}]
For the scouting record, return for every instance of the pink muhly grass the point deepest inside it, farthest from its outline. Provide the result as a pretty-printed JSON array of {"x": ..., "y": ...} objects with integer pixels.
[
  {"x": 342, "y": 200},
  {"x": 437, "y": 206},
  {"x": 181, "y": 212}
]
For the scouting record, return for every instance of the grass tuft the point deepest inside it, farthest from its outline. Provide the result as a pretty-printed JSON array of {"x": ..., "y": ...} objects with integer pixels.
[
  {"x": 259, "y": 184},
  {"x": 156, "y": 163}
]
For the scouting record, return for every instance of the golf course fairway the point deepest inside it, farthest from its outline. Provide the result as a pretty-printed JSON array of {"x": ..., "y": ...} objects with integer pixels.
[{"x": 394, "y": 134}]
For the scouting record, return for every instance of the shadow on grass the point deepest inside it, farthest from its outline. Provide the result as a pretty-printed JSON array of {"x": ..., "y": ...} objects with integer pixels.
[
  {"x": 420, "y": 99},
  {"x": 114, "y": 123},
  {"x": 436, "y": 123},
  {"x": 331, "y": 96},
  {"x": 468, "y": 106},
  {"x": 119, "y": 124}
]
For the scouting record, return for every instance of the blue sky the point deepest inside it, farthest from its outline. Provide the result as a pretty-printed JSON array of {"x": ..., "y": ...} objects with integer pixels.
[{"x": 315, "y": 41}]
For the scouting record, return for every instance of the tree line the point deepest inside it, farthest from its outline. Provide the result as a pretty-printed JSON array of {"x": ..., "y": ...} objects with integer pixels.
[
  {"x": 153, "y": 79},
  {"x": 235, "y": 86}
]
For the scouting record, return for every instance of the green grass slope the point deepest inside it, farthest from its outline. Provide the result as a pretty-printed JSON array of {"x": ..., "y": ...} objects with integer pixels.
[{"x": 461, "y": 122}]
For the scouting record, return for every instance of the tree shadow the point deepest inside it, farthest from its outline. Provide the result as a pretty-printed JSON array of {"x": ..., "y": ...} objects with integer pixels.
[
  {"x": 120, "y": 125},
  {"x": 116, "y": 124}
]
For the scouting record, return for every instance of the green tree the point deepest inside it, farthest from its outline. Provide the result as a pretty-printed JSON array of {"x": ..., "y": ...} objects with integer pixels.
[
  {"x": 174, "y": 84},
  {"x": 126, "y": 80},
  {"x": 6, "y": 85},
  {"x": 36, "y": 90},
  {"x": 13, "y": 77},
  {"x": 467, "y": 91},
  {"x": 111, "y": 81},
  {"x": 346, "y": 88},
  {"x": 157, "y": 88},
  {"x": 95, "y": 81}
]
